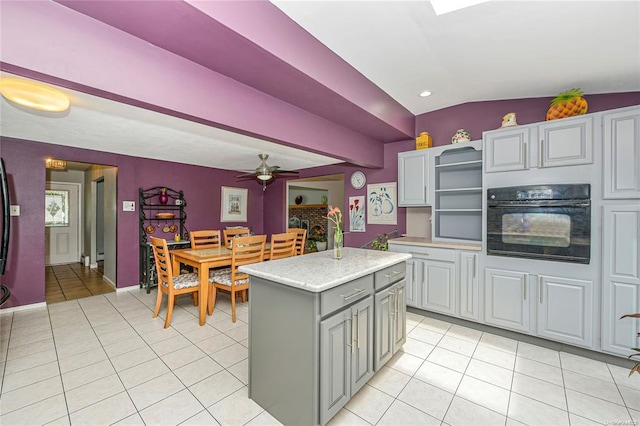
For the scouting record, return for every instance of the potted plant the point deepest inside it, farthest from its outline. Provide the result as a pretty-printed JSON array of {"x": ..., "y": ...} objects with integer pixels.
[
  {"x": 319, "y": 237},
  {"x": 381, "y": 242}
]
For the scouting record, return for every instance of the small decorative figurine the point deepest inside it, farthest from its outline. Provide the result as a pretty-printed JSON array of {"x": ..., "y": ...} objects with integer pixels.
[
  {"x": 509, "y": 120},
  {"x": 461, "y": 136}
]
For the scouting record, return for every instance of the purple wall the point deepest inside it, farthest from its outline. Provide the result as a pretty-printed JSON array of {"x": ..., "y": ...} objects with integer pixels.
[
  {"x": 25, "y": 166},
  {"x": 477, "y": 117}
]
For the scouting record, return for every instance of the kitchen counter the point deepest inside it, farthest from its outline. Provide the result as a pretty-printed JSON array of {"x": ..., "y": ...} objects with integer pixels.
[
  {"x": 317, "y": 272},
  {"x": 319, "y": 327},
  {"x": 428, "y": 242}
]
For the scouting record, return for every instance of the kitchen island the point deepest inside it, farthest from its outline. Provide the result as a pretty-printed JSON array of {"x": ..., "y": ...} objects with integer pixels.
[{"x": 319, "y": 328}]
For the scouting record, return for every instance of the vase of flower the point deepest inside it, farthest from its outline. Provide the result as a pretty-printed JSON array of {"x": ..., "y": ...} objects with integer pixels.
[
  {"x": 163, "y": 198},
  {"x": 337, "y": 244},
  {"x": 335, "y": 216}
]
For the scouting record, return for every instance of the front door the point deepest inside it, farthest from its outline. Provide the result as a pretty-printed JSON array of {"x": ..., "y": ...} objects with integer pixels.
[{"x": 62, "y": 223}]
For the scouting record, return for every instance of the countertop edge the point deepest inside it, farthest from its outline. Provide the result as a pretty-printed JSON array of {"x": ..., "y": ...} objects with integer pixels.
[{"x": 393, "y": 259}]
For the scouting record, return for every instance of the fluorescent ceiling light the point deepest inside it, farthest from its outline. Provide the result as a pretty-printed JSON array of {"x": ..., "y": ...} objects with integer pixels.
[
  {"x": 34, "y": 95},
  {"x": 440, "y": 7},
  {"x": 424, "y": 94}
]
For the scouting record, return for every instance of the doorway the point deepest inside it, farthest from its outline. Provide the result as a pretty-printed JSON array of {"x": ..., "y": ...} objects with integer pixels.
[
  {"x": 92, "y": 270},
  {"x": 307, "y": 201}
]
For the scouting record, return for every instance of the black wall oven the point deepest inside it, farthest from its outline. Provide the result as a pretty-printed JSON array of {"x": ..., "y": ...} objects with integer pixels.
[{"x": 547, "y": 222}]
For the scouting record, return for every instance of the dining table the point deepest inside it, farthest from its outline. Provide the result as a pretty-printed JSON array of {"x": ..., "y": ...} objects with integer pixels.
[{"x": 204, "y": 260}]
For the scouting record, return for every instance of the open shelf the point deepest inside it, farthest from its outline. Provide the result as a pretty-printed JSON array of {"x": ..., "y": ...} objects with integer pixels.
[{"x": 458, "y": 195}]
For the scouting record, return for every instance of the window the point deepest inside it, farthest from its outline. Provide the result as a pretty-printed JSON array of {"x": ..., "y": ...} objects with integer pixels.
[{"x": 56, "y": 205}]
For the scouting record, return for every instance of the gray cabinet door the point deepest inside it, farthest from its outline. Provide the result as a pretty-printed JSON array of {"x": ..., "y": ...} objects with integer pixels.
[
  {"x": 411, "y": 289},
  {"x": 622, "y": 154},
  {"x": 469, "y": 286},
  {"x": 400, "y": 325},
  {"x": 413, "y": 178},
  {"x": 438, "y": 291},
  {"x": 566, "y": 142},
  {"x": 362, "y": 353},
  {"x": 385, "y": 310},
  {"x": 506, "y": 150},
  {"x": 335, "y": 363},
  {"x": 506, "y": 303}
]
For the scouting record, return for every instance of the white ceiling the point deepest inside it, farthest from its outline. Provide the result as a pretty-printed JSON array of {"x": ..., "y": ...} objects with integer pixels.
[
  {"x": 489, "y": 51},
  {"x": 103, "y": 125},
  {"x": 495, "y": 50}
]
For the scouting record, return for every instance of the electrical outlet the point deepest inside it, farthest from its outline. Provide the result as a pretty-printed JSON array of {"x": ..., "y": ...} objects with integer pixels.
[
  {"x": 179, "y": 202},
  {"x": 128, "y": 206},
  {"x": 14, "y": 211}
]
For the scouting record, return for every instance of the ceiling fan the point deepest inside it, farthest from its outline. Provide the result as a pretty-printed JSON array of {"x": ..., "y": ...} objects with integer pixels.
[{"x": 266, "y": 173}]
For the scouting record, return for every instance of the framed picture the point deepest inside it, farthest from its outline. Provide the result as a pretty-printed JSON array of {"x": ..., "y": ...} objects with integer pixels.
[
  {"x": 304, "y": 224},
  {"x": 357, "y": 214},
  {"x": 382, "y": 207},
  {"x": 234, "y": 204}
]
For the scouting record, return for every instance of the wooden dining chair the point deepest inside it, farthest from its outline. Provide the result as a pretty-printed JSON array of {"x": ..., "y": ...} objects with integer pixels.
[
  {"x": 204, "y": 239},
  {"x": 301, "y": 239},
  {"x": 168, "y": 284},
  {"x": 244, "y": 251},
  {"x": 230, "y": 234},
  {"x": 283, "y": 245}
]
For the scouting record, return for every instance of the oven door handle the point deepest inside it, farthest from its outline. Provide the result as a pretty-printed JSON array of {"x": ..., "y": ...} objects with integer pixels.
[{"x": 536, "y": 206}]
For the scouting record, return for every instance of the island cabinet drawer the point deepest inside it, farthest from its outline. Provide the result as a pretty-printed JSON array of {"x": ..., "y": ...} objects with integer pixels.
[
  {"x": 390, "y": 275},
  {"x": 345, "y": 294}
]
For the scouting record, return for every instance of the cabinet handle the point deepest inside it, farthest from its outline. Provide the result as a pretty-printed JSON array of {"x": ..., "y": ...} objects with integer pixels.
[
  {"x": 541, "y": 153},
  {"x": 425, "y": 193},
  {"x": 524, "y": 288},
  {"x": 357, "y": 325},
  {"x": 358, "y": 292},
  {"x": 392, "y": 310},
  {"x": 415, "y": 253},
  {"x": 351, "y": 345},
  {"x": 389, "y": 276},
  {"x": 415, "y": 272},
  {"x": 525, "y": 155},
  {"x": 540, "y": 286}
]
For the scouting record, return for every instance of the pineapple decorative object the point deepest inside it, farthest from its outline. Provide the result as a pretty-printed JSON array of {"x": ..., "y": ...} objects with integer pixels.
[{"x": 567, "y": 104}]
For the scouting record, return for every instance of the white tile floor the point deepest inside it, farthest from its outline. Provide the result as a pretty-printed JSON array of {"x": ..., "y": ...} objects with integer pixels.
[{"x": 104, "y": 360}]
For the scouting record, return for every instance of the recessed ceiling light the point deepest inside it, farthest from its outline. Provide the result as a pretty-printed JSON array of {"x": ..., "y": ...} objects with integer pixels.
[
  {"x": 424, "y": 94},
  {"x": 440, "y": 7}
]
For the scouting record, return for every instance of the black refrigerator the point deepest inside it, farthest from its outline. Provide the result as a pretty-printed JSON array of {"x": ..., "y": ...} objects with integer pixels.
[{"x": 6, "y": 231}]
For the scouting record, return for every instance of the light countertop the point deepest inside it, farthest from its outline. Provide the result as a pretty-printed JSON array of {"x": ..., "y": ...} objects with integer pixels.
[
  {"x": 427, "y": 242},
  {"x": 316, "y": 272}
]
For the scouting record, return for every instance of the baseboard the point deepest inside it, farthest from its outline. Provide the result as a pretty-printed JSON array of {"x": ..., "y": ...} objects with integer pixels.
[
  {"x": 23, "y": 308},
  {"x": 93, "y": 266},
  {"x": 129, "y": 288},
  {"x": 108, "y": 281},
  {"x": 597, "y": 355}
]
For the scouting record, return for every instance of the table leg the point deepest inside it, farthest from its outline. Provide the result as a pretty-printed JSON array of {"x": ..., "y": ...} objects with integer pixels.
[{"x": 203, "y": 296}]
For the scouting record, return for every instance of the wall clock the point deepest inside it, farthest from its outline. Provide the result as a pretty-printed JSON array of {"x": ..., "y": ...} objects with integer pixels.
[{"x": 358, "y": 179}]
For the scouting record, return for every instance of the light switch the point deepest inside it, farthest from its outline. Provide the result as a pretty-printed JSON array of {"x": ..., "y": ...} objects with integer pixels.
[
  {"x": 128, "y": 206},
  {"x": 14, "y": 211}
]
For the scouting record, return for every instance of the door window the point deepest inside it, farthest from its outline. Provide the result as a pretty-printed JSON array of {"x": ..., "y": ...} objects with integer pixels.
[{"x": 56, "y": 206}]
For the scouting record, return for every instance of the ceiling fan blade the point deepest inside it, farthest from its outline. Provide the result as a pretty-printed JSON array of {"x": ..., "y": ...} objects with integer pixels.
[
  {"x": 247, "y": 175},
  {"x": 286, "y": 172}
]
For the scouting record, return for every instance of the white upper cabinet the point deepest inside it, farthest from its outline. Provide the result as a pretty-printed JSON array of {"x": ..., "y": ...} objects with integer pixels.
[
  {"x": 506, "y": 150},
  {"x": 565, "y": 142},
  {"x": 621, "y": 154},
  {"x": 413, "y": 178}
]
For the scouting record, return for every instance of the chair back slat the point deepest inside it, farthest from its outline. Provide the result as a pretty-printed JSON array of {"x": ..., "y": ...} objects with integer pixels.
[
  {"x": 283, "y": 245},
  {"x": 230, "y": 234},
  {"x": 205, "y": 239},
  {"x": 301, "y": 239},
  {"x": 163, "y": 262},
  {"x": 244, "y": 251}
]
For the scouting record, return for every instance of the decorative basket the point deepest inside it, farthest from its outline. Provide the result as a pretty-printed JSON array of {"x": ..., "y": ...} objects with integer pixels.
[{"x": 165, "y": 215}]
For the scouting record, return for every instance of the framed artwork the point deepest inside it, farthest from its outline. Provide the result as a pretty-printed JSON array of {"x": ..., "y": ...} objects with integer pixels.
[
  {"x": 357, "y": 214},
  {"x": 234, "y": 204},
  {"x": 304, "y": 224},
  {"x": 382, "y": 207}
]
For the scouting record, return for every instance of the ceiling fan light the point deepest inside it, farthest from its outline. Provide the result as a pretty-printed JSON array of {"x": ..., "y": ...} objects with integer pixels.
[
  {"x": 34, "y": 95},
  {"x": 264, "y": 176}
]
